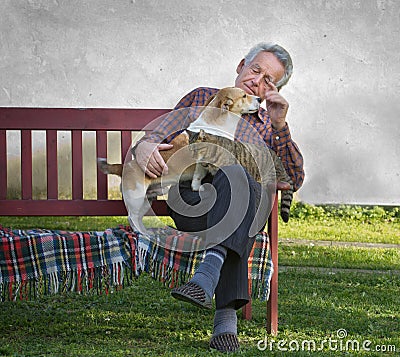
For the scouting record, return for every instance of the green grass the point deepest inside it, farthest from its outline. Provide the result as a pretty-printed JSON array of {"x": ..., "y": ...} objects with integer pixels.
[
  {"x": 340, "y": 257},
  {"x": 345, "y": 223},
  {"x": 79, "y": 223},
  {"x": 143, "y": 320},
  {"x": 348, "y": 230}
]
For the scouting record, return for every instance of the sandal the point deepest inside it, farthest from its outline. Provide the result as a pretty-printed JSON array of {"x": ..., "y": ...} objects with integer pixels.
[
  {"x": 225, "y": 342},
  {"x": 191, "y": 292}
]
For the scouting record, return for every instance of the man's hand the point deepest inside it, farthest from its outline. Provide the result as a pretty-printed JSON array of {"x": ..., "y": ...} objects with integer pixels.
[
  {"x": 149, "y": 159},
  {"x": 277, "y": 107}
]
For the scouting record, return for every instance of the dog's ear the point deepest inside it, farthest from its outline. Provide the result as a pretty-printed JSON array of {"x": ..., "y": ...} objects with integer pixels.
[
  {"x": 209, "y": 100},
  {"x": 226, "y": 105},
  {"x": 210, "y": 112}
]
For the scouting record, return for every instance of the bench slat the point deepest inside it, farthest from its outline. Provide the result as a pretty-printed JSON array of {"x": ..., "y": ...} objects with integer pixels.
[
  {"x": 52, "y": 164},
  {"x": 73, "y": 208},
  {"x": 26, "y": 164},
  {"x": 126, "y": 141},
  {"x": 101, "y": 151},
  {"x": 82, "y": 119},
  {"x": 3, "y": 161},
  {"x": 77, "y": 173}
]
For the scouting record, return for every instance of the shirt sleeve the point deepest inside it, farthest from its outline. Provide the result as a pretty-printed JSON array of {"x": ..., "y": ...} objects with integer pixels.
[
  {"x": 172, "y": 124},
  {"x": 180, "y": 117},
  {"x": 290, "y": 155}
]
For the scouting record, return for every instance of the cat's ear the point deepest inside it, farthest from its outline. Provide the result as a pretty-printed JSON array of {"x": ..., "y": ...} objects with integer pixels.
[
  {"x": 193, "y": 136},
  {"x": 202, "y": 134},
  {"x": 226, "y": 105}
]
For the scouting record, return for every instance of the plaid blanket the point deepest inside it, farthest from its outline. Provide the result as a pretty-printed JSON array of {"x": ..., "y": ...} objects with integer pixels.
[
  {"x": 40, "y": 261},
  {"x": 173, "y": 257},
  {"x": 36, "y": 262}
]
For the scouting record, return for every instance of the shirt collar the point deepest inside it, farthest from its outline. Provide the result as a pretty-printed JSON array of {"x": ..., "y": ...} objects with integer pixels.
[{"x": 262, "y": 115}]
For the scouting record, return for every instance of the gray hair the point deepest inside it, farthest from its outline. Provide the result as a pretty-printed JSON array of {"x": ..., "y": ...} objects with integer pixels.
[{"x": 280, "y": 53}]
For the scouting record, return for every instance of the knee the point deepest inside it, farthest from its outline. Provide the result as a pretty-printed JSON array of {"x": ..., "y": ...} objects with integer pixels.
[{"x": 227, "y": 175}]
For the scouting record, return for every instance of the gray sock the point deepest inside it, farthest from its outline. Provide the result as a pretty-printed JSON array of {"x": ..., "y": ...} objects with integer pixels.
[
  {"x": 225, "y": 321},
  {"x": 208, "y": 272}
]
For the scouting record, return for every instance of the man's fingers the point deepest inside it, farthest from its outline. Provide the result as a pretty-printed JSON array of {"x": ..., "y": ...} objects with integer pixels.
[
  {"x": 165, "y": 146},
  {"x": 273, "y": 98},
  {"x": 149, "y": 173},
  {"x": 272, "y": 86},
  {"x": 150, "y": 160},
  {"x": 152, "y": 167},
  {"x": 158, "y": 163}
]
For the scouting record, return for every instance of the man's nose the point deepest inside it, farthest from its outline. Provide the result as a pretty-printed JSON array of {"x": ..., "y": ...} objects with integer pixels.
[{"x": 257, "y": 79}]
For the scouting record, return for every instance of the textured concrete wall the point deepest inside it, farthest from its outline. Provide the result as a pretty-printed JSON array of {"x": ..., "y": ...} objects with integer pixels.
[{"x": 343, "y": 95}]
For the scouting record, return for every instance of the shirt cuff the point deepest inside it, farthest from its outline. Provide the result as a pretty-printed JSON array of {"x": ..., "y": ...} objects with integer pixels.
[{"x": 281, "y": 137}]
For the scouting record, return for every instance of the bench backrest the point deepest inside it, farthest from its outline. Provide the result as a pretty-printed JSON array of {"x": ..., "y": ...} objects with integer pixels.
[{"x": 76, "y": 121}]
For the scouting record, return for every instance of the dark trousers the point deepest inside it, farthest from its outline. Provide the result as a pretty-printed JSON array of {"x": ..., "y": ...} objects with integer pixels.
[{"x": 223, "y": 218}]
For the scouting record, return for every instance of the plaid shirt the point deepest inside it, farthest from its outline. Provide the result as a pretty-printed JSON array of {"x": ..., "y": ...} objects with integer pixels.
[{"x": 189, "y": 107}]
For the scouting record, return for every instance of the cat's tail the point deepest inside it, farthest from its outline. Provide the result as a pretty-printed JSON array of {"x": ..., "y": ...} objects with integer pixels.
[{"x": 286, "y": 201}]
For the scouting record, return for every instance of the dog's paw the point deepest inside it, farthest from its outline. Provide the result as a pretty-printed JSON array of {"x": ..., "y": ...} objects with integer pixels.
[{"x": 196, "y": 185}]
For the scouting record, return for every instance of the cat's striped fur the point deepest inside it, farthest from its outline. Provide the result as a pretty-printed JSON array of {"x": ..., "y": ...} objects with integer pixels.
[{"x": 212, "y": 152}]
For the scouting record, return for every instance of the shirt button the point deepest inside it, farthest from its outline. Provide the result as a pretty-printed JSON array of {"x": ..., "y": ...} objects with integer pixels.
[{"x": 277, "y": 137}]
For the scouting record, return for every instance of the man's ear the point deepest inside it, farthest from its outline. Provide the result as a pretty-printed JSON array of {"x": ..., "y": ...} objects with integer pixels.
[
  {"x": 240, "y": 66},
  {"x": 226, "y": 105}
]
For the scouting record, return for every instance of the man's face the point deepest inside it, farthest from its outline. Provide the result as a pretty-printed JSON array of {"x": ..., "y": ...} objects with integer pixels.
[{"x": 255, "y": 77}]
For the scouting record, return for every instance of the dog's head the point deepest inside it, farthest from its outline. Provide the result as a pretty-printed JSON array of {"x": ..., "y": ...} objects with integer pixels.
[{"x": 234, "y": 100}]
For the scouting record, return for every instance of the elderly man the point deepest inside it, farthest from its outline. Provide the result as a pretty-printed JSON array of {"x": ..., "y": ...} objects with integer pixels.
[{"x": 223, "y": 273}]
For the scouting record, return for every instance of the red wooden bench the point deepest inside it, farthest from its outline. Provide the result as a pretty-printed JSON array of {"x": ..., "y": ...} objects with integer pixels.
[{"x": 53, "y": 120}]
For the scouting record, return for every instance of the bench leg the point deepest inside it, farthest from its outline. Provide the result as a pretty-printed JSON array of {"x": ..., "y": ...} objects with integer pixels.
[
  {"x": 246, "y": 309},
  {"x": 272, "y": 304}
]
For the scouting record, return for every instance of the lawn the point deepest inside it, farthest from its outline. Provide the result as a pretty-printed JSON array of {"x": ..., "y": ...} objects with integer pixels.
[
  {"x": 143, "y": 320},
  {"x": 343, "y": 224},
  {"x": 329, "y": 312}
]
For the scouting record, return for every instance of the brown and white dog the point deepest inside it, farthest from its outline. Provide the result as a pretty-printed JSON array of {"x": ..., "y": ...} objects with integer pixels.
[{"x": 219, "y": 117}]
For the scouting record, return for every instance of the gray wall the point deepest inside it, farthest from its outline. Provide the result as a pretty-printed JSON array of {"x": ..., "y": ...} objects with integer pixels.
[{"x": 344, "y": 94}]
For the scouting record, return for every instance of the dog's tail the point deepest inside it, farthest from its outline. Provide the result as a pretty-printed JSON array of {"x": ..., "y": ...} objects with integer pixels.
[{"x": 106, "y": 168}]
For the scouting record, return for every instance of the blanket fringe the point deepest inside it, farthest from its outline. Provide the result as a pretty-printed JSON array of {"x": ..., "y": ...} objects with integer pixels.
[{"x": 100, "y": 280}]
